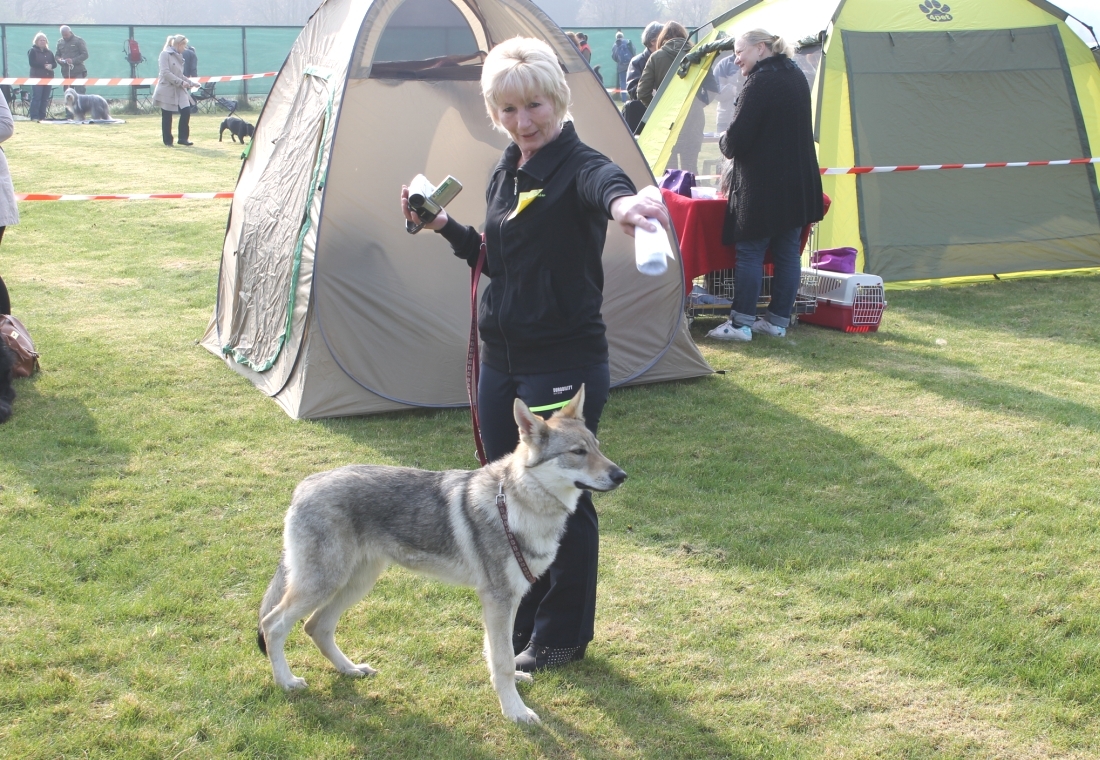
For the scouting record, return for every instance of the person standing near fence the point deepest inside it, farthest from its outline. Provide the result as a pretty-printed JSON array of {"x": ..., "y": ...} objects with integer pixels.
[
  {"x": 173, "y": 90},
  {"x": 71, "y": 53},
  {"x": 622, "y": 52},
  {"x": 42, "y": 65},
  {"x": 191, "y": 68}
]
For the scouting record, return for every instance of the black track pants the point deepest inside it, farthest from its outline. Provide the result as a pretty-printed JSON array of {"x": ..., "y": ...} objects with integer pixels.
[{"x": 560, "y": 608}]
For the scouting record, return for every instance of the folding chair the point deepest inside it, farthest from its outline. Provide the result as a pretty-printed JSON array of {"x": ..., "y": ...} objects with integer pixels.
[{"x": 206, "y": 100}]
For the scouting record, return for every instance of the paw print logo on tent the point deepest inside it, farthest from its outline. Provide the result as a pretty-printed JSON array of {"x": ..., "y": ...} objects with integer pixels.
[{"x": 935, "y": 10}]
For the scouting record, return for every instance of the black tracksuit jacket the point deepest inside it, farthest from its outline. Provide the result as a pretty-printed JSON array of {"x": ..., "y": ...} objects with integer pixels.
[{"x": 544, "y": 230}]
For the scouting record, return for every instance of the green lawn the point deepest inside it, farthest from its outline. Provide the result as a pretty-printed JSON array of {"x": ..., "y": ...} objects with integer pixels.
[{"x": 880, "y": 545}]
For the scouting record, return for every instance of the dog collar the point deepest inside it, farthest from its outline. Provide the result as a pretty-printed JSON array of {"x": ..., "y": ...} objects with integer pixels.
[{"x": 502, "y": 507}]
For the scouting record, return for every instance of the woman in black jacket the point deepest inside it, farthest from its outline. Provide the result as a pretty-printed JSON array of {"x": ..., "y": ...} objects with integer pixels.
[
  {"x": 776, "y": 185},
  {"x": 549, "y": 201},
  {"x": 42, "y": 64}
]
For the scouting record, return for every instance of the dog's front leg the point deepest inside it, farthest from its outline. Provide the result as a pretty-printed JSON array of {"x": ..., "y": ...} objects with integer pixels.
[{"x": 499, "y": 615}]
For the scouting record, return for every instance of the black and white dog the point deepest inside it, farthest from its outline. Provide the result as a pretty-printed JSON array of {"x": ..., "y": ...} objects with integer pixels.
[
  {"x": 81, "y": 105},
  {"x": 7, "y": 393},
  {"x": 237, "y": 127}
]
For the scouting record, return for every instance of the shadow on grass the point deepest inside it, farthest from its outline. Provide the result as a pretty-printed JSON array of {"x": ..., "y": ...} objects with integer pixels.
[
  {"x": 432, "y": 439},
  {"x": 952, "y": 379},
  {"x": 655, "y": 726},
  {"x": 383, "y": 726},
  {"x": 1061, "y": 308},
  {"x": 374, "y": 726},
  {"x": 54, "y": 443},
  {"x": 720, "y": 473}
]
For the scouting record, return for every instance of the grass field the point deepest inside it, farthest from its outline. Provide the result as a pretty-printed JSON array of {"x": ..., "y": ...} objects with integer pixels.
[{"x": 846, "y": 546}]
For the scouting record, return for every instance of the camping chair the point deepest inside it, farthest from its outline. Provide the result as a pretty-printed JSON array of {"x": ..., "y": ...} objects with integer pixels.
[{"x": 206, "y": 99}]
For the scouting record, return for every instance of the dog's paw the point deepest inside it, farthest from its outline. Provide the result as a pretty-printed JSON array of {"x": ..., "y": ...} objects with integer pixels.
[
  {"x": 522, "y": 677},
  {"x": 294, "y": 684},
  {"x": 526, "y": 715},
  {"x": 359, "y": 671}
]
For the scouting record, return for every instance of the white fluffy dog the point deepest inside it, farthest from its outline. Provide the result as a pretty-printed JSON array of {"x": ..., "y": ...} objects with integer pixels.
[{"x": 80, "y": 105}]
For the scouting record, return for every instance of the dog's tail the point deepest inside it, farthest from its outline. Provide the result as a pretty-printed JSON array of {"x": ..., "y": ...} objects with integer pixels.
[{"x": 272, "y": 596}]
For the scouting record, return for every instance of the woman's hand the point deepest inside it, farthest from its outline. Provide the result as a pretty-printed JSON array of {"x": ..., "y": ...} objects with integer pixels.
[
  {"x": 632, "y": 211},
  {"x": 435, "y": 224}
]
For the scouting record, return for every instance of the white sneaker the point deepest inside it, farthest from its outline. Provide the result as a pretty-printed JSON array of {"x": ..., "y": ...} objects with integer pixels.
[
  {"x": 728, "y": 331},
  {"x": 762, "y": 325}
]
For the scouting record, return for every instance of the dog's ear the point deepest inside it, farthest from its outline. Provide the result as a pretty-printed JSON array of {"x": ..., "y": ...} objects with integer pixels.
[
  {"x": 531, "y": 426},
  {"x": 575, "y": 408}
]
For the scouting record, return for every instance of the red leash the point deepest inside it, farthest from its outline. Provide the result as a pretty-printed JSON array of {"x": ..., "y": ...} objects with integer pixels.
[
  {"x": 472, "y": 360},
  {"x": 472, "y": 372}
]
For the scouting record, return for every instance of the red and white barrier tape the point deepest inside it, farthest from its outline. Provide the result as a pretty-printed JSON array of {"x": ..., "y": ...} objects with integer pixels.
[
  {"x": 848, "y": 170},
  {"x": 131, "y": 197},
  {"x": 930, "y": 167},
  {"x": 125, "y": 81}
]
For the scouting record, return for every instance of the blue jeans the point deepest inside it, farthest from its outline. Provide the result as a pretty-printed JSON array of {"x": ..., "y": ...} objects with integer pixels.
[
  {"x": 40, "y": 101},
  {"x": 622, "y": 85},
  {"x": 749, "y": 272}
]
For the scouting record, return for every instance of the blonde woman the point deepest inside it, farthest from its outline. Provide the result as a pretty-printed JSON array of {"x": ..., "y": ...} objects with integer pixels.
[
  {"x": 776, "y": 185},
  {"x": 42, "y": 63},
  {"x": 172, "y": 94},
  {"x": 549, "y": 201}
]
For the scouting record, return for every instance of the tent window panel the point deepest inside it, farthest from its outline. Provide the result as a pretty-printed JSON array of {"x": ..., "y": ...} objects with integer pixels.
[
  {"x": 425, "y": 29},
  {"x": 965, "y": 97}
]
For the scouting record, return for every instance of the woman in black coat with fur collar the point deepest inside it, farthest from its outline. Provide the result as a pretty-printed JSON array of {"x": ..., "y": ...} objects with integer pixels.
[{"x": 775, "y": 188}]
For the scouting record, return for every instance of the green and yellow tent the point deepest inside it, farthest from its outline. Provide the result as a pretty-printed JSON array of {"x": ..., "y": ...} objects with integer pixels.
[{"x": 912, "y": 83}]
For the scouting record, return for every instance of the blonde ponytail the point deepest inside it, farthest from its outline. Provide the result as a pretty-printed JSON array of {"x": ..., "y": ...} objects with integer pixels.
[{"x": 776, "y": 44}]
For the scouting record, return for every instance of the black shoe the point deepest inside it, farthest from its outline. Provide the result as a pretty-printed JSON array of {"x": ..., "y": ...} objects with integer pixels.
[
  {"x": 520, "y": 641},
  {"x": 184, "y": 142},
  {"x": 535, "y": 658},
  {"x": 167, "y": 145}
]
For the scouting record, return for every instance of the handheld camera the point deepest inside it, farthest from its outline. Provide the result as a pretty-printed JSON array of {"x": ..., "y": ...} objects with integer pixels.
[{"x": 427, "y": 200}]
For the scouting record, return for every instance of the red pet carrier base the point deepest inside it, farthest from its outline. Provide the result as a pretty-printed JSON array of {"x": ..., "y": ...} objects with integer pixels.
[
  {"x": 850, "y": 302},
  {"x": 841, "y": 317}
]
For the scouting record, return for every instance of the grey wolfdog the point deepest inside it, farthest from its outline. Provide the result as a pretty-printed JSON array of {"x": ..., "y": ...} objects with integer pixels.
[
  {"x": 346, "y": 526},
  {"x": 80, "y": 105}
]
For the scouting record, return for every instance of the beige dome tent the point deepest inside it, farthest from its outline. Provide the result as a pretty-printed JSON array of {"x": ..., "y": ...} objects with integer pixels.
[{"x": 325, "y": 302}]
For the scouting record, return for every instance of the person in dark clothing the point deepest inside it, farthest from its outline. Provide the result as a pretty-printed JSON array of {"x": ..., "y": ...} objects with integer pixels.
[
  {"x": 549, "y": 200},
  {"x": 71, "y": 53},
  {"x": 191, "y": 68},
  {"x": 776, "y": 185},
  {"x": 670, "y": 43},
  {"x": 582, "y": 45},
  {"x": 190, "y": 62},
  {"x": 622, "y": 52},
  {"x": 42, "y": 63},
  {"x": 638, "y": 62}
]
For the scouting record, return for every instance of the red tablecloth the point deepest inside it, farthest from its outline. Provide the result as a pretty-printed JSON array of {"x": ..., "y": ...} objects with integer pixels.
[{"x": 698, "y": 223}]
